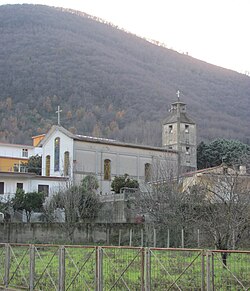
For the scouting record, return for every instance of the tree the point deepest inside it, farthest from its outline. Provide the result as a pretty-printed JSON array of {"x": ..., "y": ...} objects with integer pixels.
[
  {"x": 34, "y": 164},
  {"x": 221, "y": 151},
  {"x": 220, "y": 205},
  {"x": 78, "y": 202},
  {"x": 123, "y": 182},
  {"x": 163, "y": 205},
  {"x": 30, "y": 201}
]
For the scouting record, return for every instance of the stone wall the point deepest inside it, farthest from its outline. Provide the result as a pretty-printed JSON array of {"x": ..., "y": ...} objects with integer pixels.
[{"x": 83, "y": 233}]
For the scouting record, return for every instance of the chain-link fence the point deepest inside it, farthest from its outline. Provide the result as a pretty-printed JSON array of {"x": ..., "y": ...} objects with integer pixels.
[{"x": 62, "y": 267}]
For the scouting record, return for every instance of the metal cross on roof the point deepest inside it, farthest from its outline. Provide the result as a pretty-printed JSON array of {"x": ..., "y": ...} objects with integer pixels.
[
  {"x": 58, "y": 115},
  {"x": 178, "y": 95}
]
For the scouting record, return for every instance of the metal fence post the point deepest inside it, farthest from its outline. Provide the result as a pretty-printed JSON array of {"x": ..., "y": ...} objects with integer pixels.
[
  {"x": 107, "y": 236},
  {"x": 130, "y": 237},
  {"x": 148, "y": 269},
  {"x": 203, "y": 254},
  {"x": 61, "y": 268},
  {"x": 99, "y": 264},
  {"x": 182, "y": 238},
  {"x": 198, "y": 237},
  {"x": 142, "y": 269},
  {"x": 32, "y": 267},
  {"x": 7, "y": 265},
  {"x": 212, "y": 256},
  {"x": 119, "y": 239},
  {"x": 168, "y": 239},
  {"x": 142, "y": 239},
  {"x": 154, "y": 237},
  {"x": 208, "y": 255}
]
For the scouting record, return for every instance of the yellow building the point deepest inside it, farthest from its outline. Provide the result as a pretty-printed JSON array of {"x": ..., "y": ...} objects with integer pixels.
[{"x": 13, "y": 157}]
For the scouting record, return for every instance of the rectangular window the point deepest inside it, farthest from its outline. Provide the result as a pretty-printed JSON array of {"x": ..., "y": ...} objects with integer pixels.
[
  {"x": 44, "y": 189},
  {"x": 170, "y": 128},
  {"x": 186, "y": 128},
  {"x": 107, "y": 169},
  {"x": 19, "y": 186},
  {"x": 187, "y": 150},
  {"x": 20, "y": 168},
  {"x": 25, "y": 153},
  {"x": 1, "y": 187}
]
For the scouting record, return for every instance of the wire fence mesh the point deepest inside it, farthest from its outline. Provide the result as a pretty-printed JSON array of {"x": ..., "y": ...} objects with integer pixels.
[
  {"x": 122, "y": 268},
  {"x": 2, "y": 263},
  {"x": 80, "y": 268},
  {"x": 230, "y": 270},
  {"x": 176, "y": 269},
  {"x": 58, "y": 267}
]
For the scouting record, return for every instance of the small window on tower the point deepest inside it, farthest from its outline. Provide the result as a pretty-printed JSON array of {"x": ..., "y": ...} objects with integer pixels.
[
  {"x": 186, "y": 128},
  {"x": 170, "y": 128},
  {"x": 187, "y": 150}
]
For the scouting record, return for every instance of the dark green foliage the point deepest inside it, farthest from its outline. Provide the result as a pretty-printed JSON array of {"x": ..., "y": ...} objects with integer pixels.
[
  {"x": 89, "y": 184},
  {"x": 220, "y": 151},
  {"x": 109, "y": 83},
  {"x": 123, "y": 182},
  {"x": 34, "y": 165},
  {"x": 30, "y": 201}
]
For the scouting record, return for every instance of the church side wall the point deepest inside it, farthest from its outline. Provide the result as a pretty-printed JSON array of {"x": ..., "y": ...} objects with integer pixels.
[{"x": 90, "y": 157}]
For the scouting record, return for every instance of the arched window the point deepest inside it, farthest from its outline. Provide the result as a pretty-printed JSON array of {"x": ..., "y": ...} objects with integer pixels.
[
  {"x": 57, "y": 154},
  {"x": 66, "y": 163},
  {"x": 148, "y": 172},
  {"x": 107, "y": 169},
  {"x": 47, "y": 165}
]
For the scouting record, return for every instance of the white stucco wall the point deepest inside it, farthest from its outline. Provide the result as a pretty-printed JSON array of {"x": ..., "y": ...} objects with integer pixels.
[
  {"x": 30, "y": 184},
  {"x": 66, "y": 144},
  {"x": 16, "y": 151}
]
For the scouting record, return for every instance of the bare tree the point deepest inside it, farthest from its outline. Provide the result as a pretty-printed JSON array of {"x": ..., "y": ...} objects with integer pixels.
[
  {"x": 78, "y": 202},
  {"x": 161, "y": 200},
  {"x": 220, "y": 203}
]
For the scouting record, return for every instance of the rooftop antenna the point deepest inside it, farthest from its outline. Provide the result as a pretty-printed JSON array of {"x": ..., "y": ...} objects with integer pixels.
[{"x": 58, "y": 114}]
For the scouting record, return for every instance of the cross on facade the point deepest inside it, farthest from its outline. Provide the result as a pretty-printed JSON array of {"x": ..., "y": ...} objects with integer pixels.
[
  {"x": 178, "y": 95},
  {"x": 58, "y": 115}
]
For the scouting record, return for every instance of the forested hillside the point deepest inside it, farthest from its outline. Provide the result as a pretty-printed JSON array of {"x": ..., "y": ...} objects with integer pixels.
[{"x": 108, "y": 82}]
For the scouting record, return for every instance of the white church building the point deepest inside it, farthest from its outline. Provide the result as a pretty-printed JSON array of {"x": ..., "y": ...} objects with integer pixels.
[{"x": 74, "y": 156}]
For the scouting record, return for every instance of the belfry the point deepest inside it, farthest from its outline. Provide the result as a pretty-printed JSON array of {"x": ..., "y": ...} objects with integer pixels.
[{"x": 179, "y": 133}]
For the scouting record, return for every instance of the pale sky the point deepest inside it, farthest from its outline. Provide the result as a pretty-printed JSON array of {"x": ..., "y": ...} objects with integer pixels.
[{"x": 216, "y": 31}]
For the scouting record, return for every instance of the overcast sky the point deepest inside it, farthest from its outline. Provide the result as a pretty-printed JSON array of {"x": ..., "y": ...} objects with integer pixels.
[{"x": 216, "y": 31}]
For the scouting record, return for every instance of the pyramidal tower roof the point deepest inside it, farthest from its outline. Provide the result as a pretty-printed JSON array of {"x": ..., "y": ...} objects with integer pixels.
[{"x": 178, "y": 109}]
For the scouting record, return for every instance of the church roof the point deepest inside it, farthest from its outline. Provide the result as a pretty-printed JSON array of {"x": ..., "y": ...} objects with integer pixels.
[
  {"x": 100, "y": 140},
  {"x": 119, "y": 143},
  {"x": 183, "y": 118}
]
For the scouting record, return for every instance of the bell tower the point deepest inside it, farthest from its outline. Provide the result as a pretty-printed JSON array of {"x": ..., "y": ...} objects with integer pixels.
[{"x": 179, "y": 133}]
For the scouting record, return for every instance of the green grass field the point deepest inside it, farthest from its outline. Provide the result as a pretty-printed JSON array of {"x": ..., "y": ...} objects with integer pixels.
[{"x": 122, "y": 268}]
